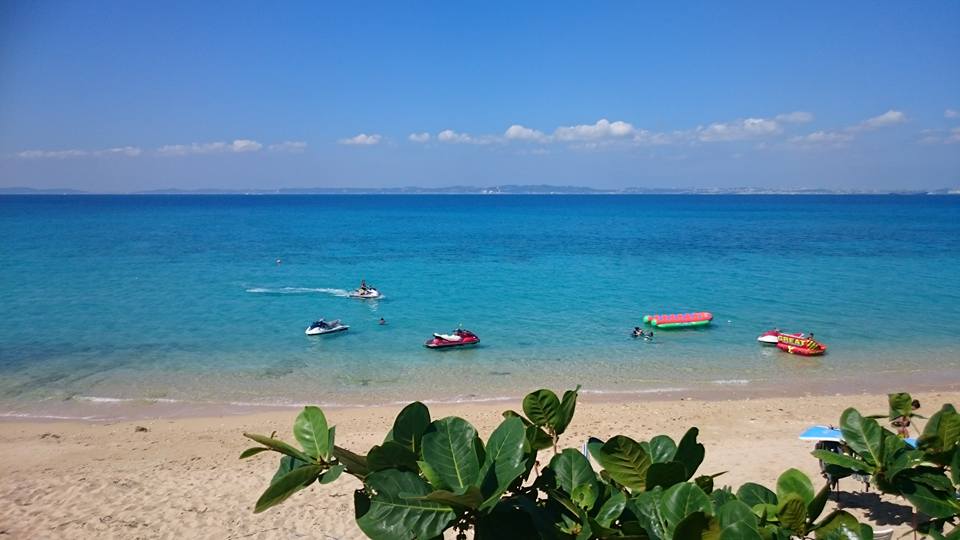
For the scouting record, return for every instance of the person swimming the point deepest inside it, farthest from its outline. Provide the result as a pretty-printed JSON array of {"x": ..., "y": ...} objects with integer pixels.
[
  {"x": 383, "y": 321},
  {"x": 637, "y": 332}
]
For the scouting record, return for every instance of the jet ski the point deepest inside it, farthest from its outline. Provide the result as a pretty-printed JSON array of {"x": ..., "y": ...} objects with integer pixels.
[
  {"x": 365, "y": 292},
  {"x": 770, "y": 337},
  {"x": 321, "y": 327},
  {"x": 457, "y": 338}
]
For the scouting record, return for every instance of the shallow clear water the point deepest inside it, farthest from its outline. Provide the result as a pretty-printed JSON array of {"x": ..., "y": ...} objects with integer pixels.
[{"x": 179, "y": 297}]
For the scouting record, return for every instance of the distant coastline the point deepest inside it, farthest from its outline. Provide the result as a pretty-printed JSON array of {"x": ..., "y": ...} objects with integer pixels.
[{"x": 511, "y": 189}]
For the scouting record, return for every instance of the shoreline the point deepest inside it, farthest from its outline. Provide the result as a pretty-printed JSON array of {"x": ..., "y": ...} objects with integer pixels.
[
  {"x": 119, "y": 409},
  {"x": 181, "y": 476}
]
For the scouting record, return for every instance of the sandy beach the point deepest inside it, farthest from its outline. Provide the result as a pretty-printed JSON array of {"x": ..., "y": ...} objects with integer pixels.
[{"x": 181, "y": 477}]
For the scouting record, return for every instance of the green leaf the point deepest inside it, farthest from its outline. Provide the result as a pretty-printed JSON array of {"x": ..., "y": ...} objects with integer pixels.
[
  {"x": 410, "y": 425},
  {"x": 662, "y": 449},
  {"x": 720, "y": 497},
  {"x": 955, "y": 469},
  {"x": 538, "y": 438},
  {"x": 624, "y": 460},
  {"x": 646, "y": 507},
  {"x": 740, "y": 531},
  {"x": 941, "y": 436},
  {"x": 843, "y": 460},
  {"x": 286, "y": 486},
  {"x": 863, "y": 435},
  {"x": 355, "y": 463},
  {"x": 794, "y": 482},
  {"x": 792, "y": 513},
  {"x": 471, "y": 499},
  {"x": 286, "y": 465},
  {"x": 542, "y": 408},
  {"x": 693, "y": 526},
  {"x": 279, "y": 446},
  {"x": 690, "y": 452},
  {"x": 667, "y": 474},
  {"x": 736, "y": 516},
  {"x": 681, "y": 501},
  {"x": 572, "y": 469},
  {"x": 450, "y": 450},
  {"x": 514, "y": 519},
  {"x": 611, "y": 509},
  {"x": 253, "y": 451},
  {"x": 568, "y": 405},
  {"x": 311, "y": 431},
  {"x": 332, "y": 474},
  {"x": 391, "y": 455},
  {"x": 753, "y": 494},
  {"x": 504, "y": 460},
  {"x": 390, "y": 515},
  {"x": 838, "y": 524},
  {"x": 934, "y": 503},
  {"x": 705, "y": 482},
  {"x": 901, "y": 404},
  {"x": 897, "y": 455},
  {"x": 815, "y": 506},
  {"x": 430, "y": 474},
  {"x": 584, "y": 496},
  {"x": 934, "y": 426}
]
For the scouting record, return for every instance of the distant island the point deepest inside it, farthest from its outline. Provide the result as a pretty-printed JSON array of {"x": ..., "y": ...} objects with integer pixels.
[{"x": 509, "y": 189}]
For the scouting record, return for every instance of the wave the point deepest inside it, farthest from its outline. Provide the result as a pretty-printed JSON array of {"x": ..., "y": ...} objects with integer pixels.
[
  {"x": 252, "y": 404},
  {"x": 731, "y": 381},
  {"x": 299, "y": 290},
  {"x": 47, "y": 416},
  {"x": 663, "y": 390}
]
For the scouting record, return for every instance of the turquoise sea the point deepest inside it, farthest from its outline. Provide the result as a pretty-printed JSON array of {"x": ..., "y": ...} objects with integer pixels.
[{"x": 168, "y": 303}]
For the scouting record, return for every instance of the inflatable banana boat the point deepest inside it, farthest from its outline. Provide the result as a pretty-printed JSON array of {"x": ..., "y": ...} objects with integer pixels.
[{"x": 679, "y": 320}]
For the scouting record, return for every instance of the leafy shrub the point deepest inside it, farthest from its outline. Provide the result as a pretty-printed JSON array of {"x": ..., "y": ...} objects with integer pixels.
[
  {"x": 429, "y": 476},
  {"x": 928, "y": 475}
]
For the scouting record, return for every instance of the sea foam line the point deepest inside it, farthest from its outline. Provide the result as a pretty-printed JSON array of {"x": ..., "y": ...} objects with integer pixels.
[
  {"x": 299, "y": 290},
  {"x": 663, "y": 390},
  {"x": 252, "y": 404}
]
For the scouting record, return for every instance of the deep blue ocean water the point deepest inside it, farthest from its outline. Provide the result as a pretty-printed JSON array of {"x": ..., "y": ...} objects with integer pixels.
[{"x": 179, "y": 298}]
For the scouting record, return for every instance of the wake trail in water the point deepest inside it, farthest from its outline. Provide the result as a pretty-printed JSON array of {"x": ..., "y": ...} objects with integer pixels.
[{"x": 278, "y": 291}]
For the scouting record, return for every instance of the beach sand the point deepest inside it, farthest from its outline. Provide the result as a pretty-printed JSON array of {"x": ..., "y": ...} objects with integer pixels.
[{"x": 182, "y": 478}]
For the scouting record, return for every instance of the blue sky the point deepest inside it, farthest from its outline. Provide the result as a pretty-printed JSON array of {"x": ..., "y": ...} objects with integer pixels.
[{"x": 123, "y": 96}]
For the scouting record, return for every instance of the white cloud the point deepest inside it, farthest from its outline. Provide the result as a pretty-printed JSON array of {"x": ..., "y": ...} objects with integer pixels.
[
  {"x": 128, "y": 151},
  {"x": 452, "y": 137},
  {"x": 363, "y": 139},
  {"x": 602, "y": 129},
  {"x": 738, "y": 130},
  {"x": 847, "y": 134},
  {"x": 796, "y": 117},
  {"x": 419, "y": 137},
  {"x": 954, "y": 136},
  {"x": 951, "y": 113},
  {"x": 822, "y": 137},
  {"x": 290, "y": 147},
  {"x": 237, "y": 146},
  {"x": 888, "y": 118},
  {"x": 51, "y": 154},
  {"x": 654, "y": 138},
  {"x": 521, "y": 133}
]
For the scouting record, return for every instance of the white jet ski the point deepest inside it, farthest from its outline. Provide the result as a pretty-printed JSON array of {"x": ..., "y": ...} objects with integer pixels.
[
  {"x": 321, "y": 327},
  {"x": 770, "y": 337},
  {"x": 367, "y": 293}
]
